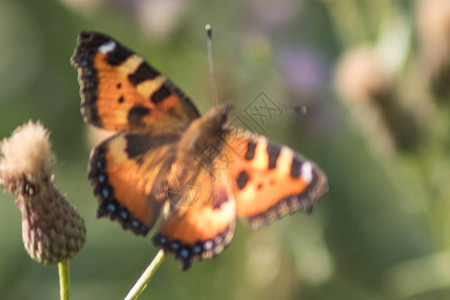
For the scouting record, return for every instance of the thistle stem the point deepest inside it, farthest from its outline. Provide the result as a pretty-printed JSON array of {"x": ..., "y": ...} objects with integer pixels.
[
  {"x": 142, "y": 282},
  {"x": 64, "y": 279}
]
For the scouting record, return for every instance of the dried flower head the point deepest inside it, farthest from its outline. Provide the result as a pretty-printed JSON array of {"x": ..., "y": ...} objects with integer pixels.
[
  {"x": 359, "y": 75},
  {"x": 365, "y": 86},
  {"x": 52, "y": 230},
  {"x": 433, "y": 28}
]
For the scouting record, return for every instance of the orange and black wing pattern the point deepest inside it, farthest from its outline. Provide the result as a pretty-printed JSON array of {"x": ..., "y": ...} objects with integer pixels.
[
  {"x": 120, "y": 91},
  {"x": 201, "y": 228},
  {"x": 270, "y": 181},
  {"x": 201, "y": 220},
  {"x": 127, "y": 172}
]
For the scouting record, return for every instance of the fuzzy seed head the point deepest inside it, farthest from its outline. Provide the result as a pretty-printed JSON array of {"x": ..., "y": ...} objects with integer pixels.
[{"x": 27, "y": 152}]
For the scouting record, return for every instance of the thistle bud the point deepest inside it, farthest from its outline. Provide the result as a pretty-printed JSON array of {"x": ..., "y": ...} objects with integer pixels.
[{"x": 52, "y": 230}]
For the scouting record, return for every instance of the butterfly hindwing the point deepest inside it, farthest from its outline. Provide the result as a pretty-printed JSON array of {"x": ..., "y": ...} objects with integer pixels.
[
  {"x": 270, "y": 181},
  {"x": 125, "y": 169},
  {"x": 202, "y": 223},
  {"x": 201, "y": 218},
  {"x": 120, "y": 91}
]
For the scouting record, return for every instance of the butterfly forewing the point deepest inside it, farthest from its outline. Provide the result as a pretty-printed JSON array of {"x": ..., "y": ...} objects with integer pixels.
[
  {"x": 270, "y": 181},
  {"x": 120, "y": 91}
]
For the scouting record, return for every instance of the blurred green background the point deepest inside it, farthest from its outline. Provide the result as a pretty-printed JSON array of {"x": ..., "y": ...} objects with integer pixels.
[{"x": 363, "y": 89}]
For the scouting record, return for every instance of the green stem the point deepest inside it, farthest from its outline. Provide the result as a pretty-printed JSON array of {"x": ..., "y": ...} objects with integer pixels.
[
  {"x": 64, "y": 279},
  {"x": 142, "y": 282}
]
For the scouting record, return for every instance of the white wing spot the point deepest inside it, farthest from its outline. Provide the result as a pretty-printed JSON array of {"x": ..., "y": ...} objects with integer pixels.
[
  {"x": 208, "y": 245},
  {"x": 107, "y": 47},
  {"x": 306, "y": 170}
]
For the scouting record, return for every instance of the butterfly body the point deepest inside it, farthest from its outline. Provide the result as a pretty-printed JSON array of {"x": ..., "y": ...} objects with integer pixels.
[{"x": 169, "y": 162}]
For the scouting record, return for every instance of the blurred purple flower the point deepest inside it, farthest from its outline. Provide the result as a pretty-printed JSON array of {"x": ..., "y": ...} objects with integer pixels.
[{"x": 304, "y": 70}]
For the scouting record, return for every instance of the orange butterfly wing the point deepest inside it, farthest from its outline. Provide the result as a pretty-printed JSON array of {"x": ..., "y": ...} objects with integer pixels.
[
  {"x": 120, "y": 91},
  {"x": 201, "y": 219},
  {"x": 200, "y": 230},
  {"x": 125, "y": 171},
  {"x": 269, "y": 181}
]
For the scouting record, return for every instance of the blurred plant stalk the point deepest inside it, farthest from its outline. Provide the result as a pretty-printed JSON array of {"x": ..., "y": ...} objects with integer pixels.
[{"x": 142, "y": 282}]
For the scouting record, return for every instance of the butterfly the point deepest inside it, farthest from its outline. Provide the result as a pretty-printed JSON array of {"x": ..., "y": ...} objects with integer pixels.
[{"x": 169, "y": 163}]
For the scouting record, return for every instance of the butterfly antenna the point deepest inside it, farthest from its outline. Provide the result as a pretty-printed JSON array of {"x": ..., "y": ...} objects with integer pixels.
[{"x": 212, "y": 80}]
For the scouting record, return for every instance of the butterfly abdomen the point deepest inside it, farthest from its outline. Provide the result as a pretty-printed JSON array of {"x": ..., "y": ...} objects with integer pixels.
[{"x": 202, "y": 141}]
